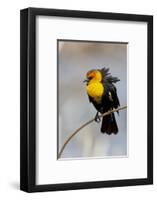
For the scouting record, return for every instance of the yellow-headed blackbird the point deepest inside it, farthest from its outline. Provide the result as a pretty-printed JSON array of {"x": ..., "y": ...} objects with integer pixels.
[{"x": 103, "y": 94}]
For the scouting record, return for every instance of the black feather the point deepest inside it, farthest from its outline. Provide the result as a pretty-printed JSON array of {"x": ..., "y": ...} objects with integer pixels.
[{"x": 109, "y": 101}]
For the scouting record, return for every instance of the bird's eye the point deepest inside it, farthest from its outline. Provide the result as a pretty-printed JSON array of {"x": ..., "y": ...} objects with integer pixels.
[{"x": 90, "y": 77}]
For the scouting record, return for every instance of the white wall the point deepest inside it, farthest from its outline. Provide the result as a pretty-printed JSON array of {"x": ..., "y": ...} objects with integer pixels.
[{"x": 9, "y": 99}]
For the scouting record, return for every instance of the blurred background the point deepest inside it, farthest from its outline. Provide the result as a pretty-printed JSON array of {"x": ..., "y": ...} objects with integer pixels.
[{"x": 75, "y": 58}]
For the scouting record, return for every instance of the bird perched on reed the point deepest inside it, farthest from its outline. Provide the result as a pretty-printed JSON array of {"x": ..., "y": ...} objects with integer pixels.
[{"x": 103, "y": 94}]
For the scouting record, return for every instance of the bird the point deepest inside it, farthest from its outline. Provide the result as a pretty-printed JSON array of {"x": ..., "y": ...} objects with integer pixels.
[{"x": 102, "y": 92}]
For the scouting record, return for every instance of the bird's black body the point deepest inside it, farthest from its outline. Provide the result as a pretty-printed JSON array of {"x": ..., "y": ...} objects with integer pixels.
[{"x": 108, "y": 102}]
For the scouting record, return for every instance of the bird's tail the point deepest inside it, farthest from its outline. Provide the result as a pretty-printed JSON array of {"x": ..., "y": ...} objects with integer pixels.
[{"x": 109, "y": 124}]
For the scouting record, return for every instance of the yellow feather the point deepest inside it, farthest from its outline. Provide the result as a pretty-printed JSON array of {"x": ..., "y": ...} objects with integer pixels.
[{"x": 95, "y": 89}]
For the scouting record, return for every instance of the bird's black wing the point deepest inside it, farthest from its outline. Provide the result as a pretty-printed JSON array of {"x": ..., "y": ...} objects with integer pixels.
[
  {"x": 116, "y": 102},
  {"x": 110, "y": 93}
]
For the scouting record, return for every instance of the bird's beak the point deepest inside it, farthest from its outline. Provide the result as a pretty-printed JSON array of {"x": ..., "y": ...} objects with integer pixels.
[{"x": 85, "y": 81}]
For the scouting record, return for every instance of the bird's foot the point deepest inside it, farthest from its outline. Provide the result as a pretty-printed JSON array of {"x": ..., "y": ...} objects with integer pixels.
[{"x": 97, "y": 118}]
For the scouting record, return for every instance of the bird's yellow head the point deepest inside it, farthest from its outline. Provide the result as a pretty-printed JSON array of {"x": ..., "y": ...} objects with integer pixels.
[{"x": 94, "y": 75}]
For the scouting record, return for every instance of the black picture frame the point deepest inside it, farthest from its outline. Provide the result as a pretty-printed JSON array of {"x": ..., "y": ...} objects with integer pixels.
[{"x": 28, "y": 98}]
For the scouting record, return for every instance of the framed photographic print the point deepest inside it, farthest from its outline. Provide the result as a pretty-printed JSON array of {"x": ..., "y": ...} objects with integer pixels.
[{"x": 86, "y": 99}]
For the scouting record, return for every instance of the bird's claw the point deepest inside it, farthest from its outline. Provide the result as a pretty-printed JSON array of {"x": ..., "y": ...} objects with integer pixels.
[{"x": 97, "y": 118}]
